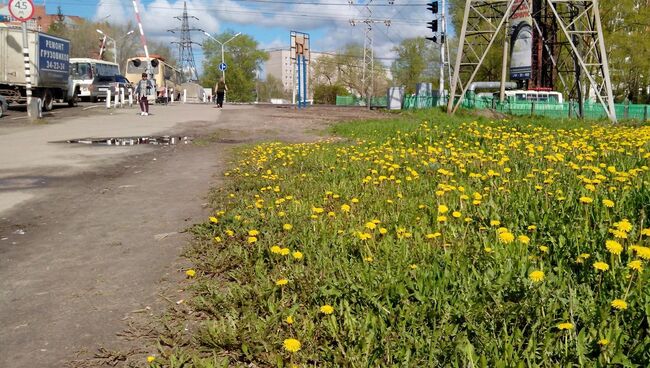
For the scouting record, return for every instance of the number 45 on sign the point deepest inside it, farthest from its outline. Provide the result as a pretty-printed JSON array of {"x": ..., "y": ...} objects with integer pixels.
[{"x": 22, "y": 10}]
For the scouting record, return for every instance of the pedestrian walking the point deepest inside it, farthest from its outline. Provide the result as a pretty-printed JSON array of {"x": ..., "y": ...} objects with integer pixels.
[
  {"x": 221, "y": 91},
  {"x": 142, "y": 90}
]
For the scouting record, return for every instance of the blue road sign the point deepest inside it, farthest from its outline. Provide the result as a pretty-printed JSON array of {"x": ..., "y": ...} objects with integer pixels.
[{"x": 223, "y": 67}]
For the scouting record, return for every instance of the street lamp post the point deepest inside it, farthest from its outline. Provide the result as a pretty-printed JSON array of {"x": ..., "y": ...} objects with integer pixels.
[
  {"x": 223, "y": 72},
  {"x": 114, "y": 42}
]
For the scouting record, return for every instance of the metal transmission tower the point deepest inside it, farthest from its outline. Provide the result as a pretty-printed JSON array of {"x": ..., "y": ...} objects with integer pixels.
[
  {"x": 566, "y": 42},
  {"x": 368, "y": 71},
  {"x": 185, "y": 53}
]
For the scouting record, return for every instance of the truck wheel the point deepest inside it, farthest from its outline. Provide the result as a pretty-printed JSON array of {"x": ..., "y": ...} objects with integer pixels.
[
  {"x": 74, "y": 101},
  {"x": 48, "y": 101}
]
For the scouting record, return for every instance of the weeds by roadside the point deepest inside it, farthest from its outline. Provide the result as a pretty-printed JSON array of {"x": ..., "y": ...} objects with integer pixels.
[{"x": 429, "y": 241}]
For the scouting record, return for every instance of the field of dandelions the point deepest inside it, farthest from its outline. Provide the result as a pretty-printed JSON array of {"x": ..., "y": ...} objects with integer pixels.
[{"x": 429, "y": 242}]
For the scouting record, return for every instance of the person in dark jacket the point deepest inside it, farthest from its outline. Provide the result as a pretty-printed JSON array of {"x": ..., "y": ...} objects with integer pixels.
[
  {"x": 142, "y": 90},
  {"x": 221, "y": 91}
]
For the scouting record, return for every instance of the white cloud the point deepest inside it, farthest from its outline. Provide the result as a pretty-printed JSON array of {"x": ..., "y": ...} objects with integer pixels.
[{"x": 331, "y": 21}]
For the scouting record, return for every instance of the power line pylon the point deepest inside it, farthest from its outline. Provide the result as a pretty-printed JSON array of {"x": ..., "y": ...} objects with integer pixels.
[
  {"x": 566, "y": 33},
  {"x": 185, "y": 53},
  {"x": 367, "y": 74}
]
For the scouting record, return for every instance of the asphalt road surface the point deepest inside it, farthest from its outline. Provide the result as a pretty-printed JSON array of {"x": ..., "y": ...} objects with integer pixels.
[{"x": 91, "y": 235}]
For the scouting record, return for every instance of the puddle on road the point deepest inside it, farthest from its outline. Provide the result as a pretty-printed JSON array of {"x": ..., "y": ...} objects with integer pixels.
[{"x": 164, "y": 140}]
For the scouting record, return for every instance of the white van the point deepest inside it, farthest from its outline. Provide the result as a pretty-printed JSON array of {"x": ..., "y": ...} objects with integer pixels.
[{"x": 86, "y": 73}]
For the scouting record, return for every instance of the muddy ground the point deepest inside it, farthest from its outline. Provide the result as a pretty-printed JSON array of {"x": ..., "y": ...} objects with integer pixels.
[{"x": 90, "y": 254}]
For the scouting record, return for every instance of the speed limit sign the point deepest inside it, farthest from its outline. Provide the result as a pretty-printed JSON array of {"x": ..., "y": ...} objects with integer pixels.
[{"x": 23, "y": 10}]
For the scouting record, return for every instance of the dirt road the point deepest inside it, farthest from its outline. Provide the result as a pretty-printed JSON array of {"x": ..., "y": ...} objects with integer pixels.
[{"x": 89, "y": 236}]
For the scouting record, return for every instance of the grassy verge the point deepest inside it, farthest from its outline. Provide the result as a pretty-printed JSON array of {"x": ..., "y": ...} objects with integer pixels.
[{"x": 429, "y": 241}]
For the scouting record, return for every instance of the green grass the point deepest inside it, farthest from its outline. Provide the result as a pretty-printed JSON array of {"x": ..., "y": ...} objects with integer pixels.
[{"x": 417, "y": 290}]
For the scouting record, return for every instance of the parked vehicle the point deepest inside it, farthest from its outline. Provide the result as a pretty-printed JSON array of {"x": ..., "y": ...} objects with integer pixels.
[
  {"x": 3, "y": 105},
  {"x": 113, "y": 83},
  {"x": 50, "y": 68},
  {"x": 92, "y": 75}
]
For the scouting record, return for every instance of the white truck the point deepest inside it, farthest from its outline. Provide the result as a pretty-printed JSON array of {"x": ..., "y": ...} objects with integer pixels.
[{"x": 50, "y": 68}]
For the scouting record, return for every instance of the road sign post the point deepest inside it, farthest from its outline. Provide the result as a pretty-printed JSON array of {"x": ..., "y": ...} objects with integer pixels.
[{"x": 23, "y": 10}]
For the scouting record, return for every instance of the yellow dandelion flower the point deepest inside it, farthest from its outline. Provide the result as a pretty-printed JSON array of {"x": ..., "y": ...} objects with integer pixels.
[
  {"x": 543, "y": 248},
  {"x": 289, "y": 320},
  {"x": 368, "y": 259},
  {"x": 603, "y": 342},
  {"x": 565, "y": 326},
  {"x": 276, "y": 249},
  {"x": 291, "y": 345},
  {"x": 252, "y": 239},
  {"x": 297, "y": 255},
  {"x": 443, "y": 209},
  {"x": 284, "y": 251},
  {"x": 495, "y": 222},
  {"x": 456, "y": 214},
  {"x": 487, "y": 250},
  {"x": 523, "y": 239},
  {"x": 317, "y": 210},
  {"x": 287, "y": 227},
  {"x": 413, "y": 267},
  {"x": 645, "y": 232},
  {"x": 217, "y": 239},
  {"x": 584, "y": 255},
  {"x": 433, "y": 236},
  {"x": 506, "y": 237},
  {"x": 282, "y": 282},
  {"x": 441, "y": 218},
  {"x": 190, "y": 273},
  {"x": 613, "y": 247},
  {"x": 619, "y": 304},
  {"x": 253, "y": 233},
  {"x": 214, "y": 220},
  {"x": 371, "y": 225},
  {"x": 327, "y": 309},
  {"x": 536, "y": 276},
  {"x": 345, "y": 208},
  {"x": 586, "y": 200},
  {"x": 636, "y": 265},
  {"x": 383, "y": 230},
  {"x": 619, "y": 234},
  {"x": 624, "y": 225},
  {"x": 641, "y": 252},
  {"x": 532, "y": 227},
  {"x": 151, "y": 359},
  {"x": 601, "y": 266},
  {"x": 364, "y": 236},
  {"x": 230, "y": 233},
  {"x": 354, "y": 200},
  {"x": 608, "y": 203}
]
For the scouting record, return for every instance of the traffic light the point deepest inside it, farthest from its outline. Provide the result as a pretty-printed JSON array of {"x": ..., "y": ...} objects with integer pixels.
[
  {"x": 434, "y": 39},
  {"x": 433, "y": 26},
  {"x": 433, "y": 6}
]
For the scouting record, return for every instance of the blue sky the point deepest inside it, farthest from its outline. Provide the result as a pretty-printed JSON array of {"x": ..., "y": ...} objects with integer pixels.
[{"x": 268, "y": 21}]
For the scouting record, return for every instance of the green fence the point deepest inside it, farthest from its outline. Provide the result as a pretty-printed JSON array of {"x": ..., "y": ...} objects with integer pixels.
[
  {"x": 355, "y": 101},
  {"x": 521, "y": 108}
]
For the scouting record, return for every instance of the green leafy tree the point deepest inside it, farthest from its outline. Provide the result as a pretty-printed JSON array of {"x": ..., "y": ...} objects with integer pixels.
[
  {"x": 414, "y": 64},
  {"x": 326, "y": 94},
  {"x": 272, "y": 87},
  {"x": 243, "y": 58}
]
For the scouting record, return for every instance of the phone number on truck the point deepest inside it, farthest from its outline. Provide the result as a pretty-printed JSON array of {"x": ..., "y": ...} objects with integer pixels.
[{"x": 56, "y": 66}]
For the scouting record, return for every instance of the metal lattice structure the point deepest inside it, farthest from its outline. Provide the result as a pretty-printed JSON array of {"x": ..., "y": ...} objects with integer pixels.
[
  {"x": 367, "y": 73},
  {"x": 568, "y": 48},
  {"x": 185, "y": 52}
]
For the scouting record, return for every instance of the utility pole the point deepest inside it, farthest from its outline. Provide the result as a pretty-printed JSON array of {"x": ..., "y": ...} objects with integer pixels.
[
  {"x": 439, "y": 35},
  {"x": 367, "y": 74},
  {"x": 185, "y": 53},
  {"x": 566, "y": 32}
]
